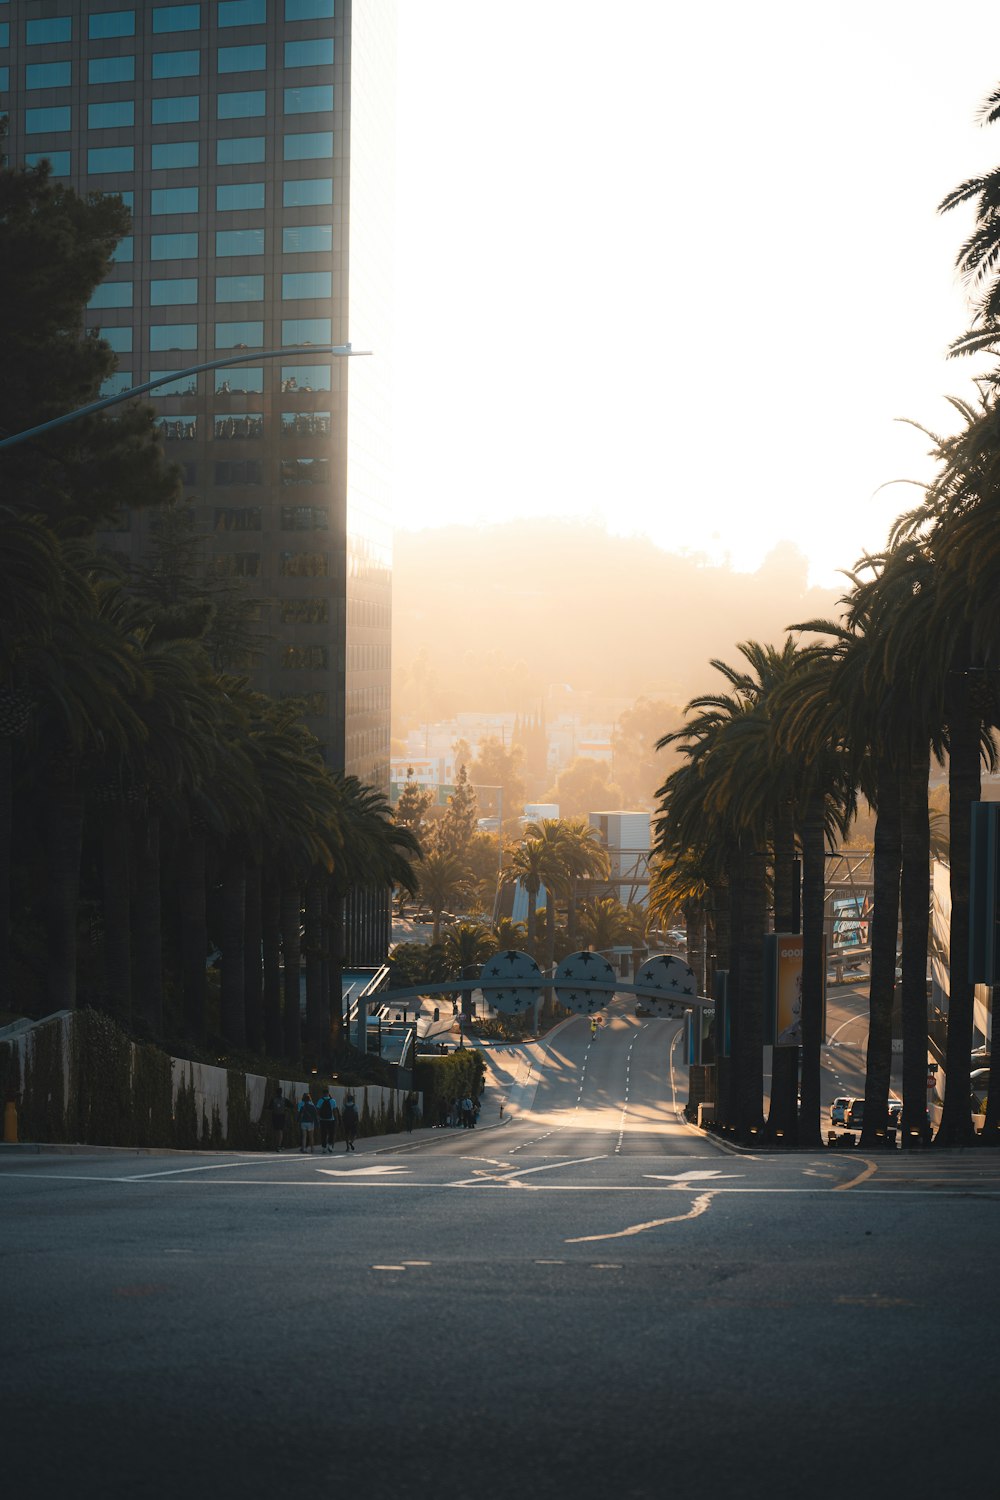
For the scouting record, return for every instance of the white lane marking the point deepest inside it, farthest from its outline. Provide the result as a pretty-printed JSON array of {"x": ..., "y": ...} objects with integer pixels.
[
  {"x": 698, "y": 1207},
  {"x": 687, "y": 1176},
  {"x": 573, "y": 1161},
  {"x": 215, "y": 1167},
  {"x": 388, "y": 1268},
  {"x": 382, "y": 1170},
  {"x": 628, "y": 1064}
]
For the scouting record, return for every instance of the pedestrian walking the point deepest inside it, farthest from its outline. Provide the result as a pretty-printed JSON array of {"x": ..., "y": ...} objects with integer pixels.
[
  {"x": 279, "y": 1116},
  {"x": 409, "y": 1112},
  {"x": 350, "y": 1122},
  {"x": 328, "y": 1112},
  {"x": 307, "y": 1122}
]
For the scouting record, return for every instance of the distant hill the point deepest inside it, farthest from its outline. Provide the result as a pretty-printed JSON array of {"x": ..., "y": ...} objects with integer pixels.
[{"x": 490, "y": 618}]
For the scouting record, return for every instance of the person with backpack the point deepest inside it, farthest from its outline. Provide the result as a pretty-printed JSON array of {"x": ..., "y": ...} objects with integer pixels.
[
  {"x": 279, "y": 1113},
  {"x": 350, "y": 1121},
  {"x": 307, "y": 1122},
  {"x": 327, "y": 1110}
]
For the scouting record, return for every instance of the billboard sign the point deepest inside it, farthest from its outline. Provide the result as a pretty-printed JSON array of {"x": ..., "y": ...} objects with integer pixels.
[{"x": 852, "y": 920}]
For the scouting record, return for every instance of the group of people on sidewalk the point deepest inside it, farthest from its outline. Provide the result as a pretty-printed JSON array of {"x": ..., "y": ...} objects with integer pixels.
[
  {"x": 464, "y": 1112},
  {"x": 324, "y": 1112}
]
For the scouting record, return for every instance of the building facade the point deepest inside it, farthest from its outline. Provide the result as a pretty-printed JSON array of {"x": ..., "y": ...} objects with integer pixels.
[{"x": 253, "y": 142}]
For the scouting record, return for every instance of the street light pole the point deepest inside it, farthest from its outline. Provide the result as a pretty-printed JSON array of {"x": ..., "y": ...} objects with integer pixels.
[{"x": 245, "y": 358}]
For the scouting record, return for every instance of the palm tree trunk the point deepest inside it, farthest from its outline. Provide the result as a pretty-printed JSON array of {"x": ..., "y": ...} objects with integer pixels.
[
  {"x": 64, "y": 844},
  {"x": 291, "y": 919},
  {"x": 147, "y": 921},
  {"x": 915, "y": 900},
  {"x": 532, "y": 921},
  {"x": 785, "y": 869},
  {"x": 253, "y": 990},
  {"x": 117, "y": 911},
  {"x": 317, "y": 1016},
  {"x": 335, "y": 917},
  {"x": 270, "y": 907},
  {"x": 750, "y": 1062},
  {"x": 6, "y": 833},
  {"x": 194, "y": 934},
  {"x": 813, "y": 966},
  {"x": 234, "y": 900},
  {"x": 884, "y": 936},
  {"x": 694, "y": 921},
  {"x": 964, "y": 788}
]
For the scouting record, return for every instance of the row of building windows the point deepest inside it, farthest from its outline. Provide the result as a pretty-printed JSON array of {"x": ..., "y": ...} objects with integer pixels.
[
  {"x": 249, "y": 472},
  {"x": 186, "y": 108},
  {"x": 293, "y": 518},
  {"x": 251, "y": 424},
  {"x": 312, "y": 146},
  {"x": 57, "y": 75},
  {"x": 173, "y": 337},
  {"x": 290, "y": 565},
  {"x": 182, "y": 291},
  {"x": 119, "y": 114},
  {"x": 296, "y": 239},
  {"x": 238, "y": 381},
  {"x": 166, "y": 19},
  {"x": 297, "y": 192}
]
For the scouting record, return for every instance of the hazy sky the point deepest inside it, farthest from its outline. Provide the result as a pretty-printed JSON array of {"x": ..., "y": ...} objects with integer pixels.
[{"x": 678, "y": 265}]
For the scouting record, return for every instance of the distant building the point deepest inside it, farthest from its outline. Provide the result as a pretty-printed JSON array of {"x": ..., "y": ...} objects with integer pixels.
[{"x": 627, "y": 837}]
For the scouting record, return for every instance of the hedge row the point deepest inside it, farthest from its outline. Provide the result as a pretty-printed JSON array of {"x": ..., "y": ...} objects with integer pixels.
[{"x": 450, "y": 1076}]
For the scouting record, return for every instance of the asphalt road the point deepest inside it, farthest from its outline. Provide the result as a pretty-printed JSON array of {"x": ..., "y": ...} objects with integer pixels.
[{"x": 591, "y": 1299}]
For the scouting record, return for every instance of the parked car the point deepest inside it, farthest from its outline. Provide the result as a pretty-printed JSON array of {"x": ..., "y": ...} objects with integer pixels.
[
  {"x": 895, "y": 1114},
  {"x": 855, "y": 1114},
  {"x": 838, "y": 1111}
]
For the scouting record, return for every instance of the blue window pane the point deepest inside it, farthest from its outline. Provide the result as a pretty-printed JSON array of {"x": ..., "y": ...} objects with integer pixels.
[
  {"x": 305, "y": 191},
  {"x": 118, "y": 339},
  {"x": 124, "y": 250},
  {"x": 173, "y": 293},
  {"x": 237, "y": 380},
  {"x": 240, "y": 149},
  {"x": 174, "y": 154},
  {"x": 37, "y": 121},
  {"x": 175, "y": 111},
  {"x": 52, "y": 29},
  {"x": 128, "y": 198},
  {"x": 4, "y": 79},
  {"x": 120, "y": 381},
  {"x": 239, "y": 335},
  {"x": 317, "y": 143},
  {"x": 112, "y": 294},
  {"x": 305, "y": 331},
  {"x": 305, "y": 284},
  {"x": 57, "y": 160},
  {"x": 309, "y": 101},
  {"x": 242, "y": 12},
  {"x": 315, "y": 53},
  {"x": 240, "y": 195},
  {"x": 176, "y": 18},
  {"x": 174, "y": 200},
  {"x": 305, "y": 378},
  {"x": 308, "y": 10},
  {"x": 111, "y": 70},
  {"x": 54, "y": 75},
  {"x": 111, "y": 159},
  {"x": 105, "y": 116},
  {"x": 239, "y": 242},
  {"x": 242, "y": 59},
  {"x": 173, "y": 246},
  {"x": 239, "y": 288},
  {"x": 112, "y": 23},
  {"x": 299, "y": 238},
  {"x": 185, "y": 385},
  {"x": 242, "y": 106},
  {"x": 4, "y": 33},
  {"x": 176, "y": 64},
  {"x": 173, "y": 336}
]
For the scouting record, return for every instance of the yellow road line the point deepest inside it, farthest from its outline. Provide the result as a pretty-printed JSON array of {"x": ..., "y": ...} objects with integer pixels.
[{"x": 871, "y": 1167}]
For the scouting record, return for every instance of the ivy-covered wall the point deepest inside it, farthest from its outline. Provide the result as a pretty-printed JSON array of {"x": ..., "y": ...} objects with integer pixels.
[
  {"x": 451, "y": 1076},
  {"x": 77, "y": 1077}
]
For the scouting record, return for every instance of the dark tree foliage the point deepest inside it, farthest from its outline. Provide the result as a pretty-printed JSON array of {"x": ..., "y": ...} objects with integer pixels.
[{"x": 55, "y": 249}]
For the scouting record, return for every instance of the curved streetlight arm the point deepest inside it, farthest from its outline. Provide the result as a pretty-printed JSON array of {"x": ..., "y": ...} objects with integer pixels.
[{"x": 245, "y": 358}]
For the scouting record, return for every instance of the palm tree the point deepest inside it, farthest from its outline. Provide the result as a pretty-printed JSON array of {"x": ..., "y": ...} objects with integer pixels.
[
  {"x": 584, "y": 858},
  {"x": 466, "y": 947},
  {"x": 527, "y": 865},
  {"x": 605, "y": 923}
]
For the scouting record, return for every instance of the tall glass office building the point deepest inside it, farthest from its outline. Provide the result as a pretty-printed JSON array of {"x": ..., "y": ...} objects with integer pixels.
[{"x": 253, "y": 143}]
